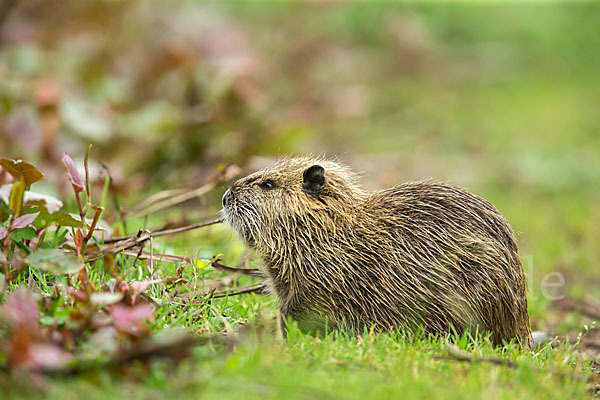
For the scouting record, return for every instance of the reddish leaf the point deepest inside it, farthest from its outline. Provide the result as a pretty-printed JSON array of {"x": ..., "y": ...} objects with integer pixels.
[
  {"x": 24, "y": 220},
  {"x": 78, "y": 241},
  {"x": 130, "y": 319},
  {"x": 48, "y": 357},
  {"x": 3, "y": 232},
  {"x": 23, "y": 127},
  {"x": 78, "y": 295},
  {"x": 21, "y": 169},
  {"x": 20, "y": 344},
  {"x": 21, "y": 309},
  {"x": 84, "y": 281},
  {"x": 140, "y": 287},
  {"x": 73, "y": 174}
]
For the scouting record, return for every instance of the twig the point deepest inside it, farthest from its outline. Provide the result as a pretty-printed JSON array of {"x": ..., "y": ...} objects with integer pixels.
[
  {"x": 128, "y": 242},
  {"x": 170, "y": 202},
  {"x": 145, "y": 255},
  {"x": 588, "y": 307},
  {"x": 165, "y": 232},
  {"x": 229, "y": 173},
  {"x": 156, "y": 197},
  {"x": 125, "y": 244},
  {"x": 456, "y": 354},
  {"x": 242, "y": 271},
  {"x": 256, "y": 288}
]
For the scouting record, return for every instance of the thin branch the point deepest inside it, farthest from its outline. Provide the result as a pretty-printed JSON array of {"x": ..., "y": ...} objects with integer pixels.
[
  {"x": 156, "y": 197},
  {"x": 165, "y": 232},
  {"x": 145, "y": 255},
  {"x": 456, "y": 354},
  {"x": 242, "y": 271},
  {"x": 128, "y": 243},
  {"x": 256, "y": 288},
  {"x": 588, "y": 307},
  {"x": 179, "y": 198}
]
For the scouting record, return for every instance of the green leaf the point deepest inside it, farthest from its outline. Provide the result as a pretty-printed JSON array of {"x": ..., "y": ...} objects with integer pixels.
[
  {"x": 50, "y": 320},
  {"x": 16, "y": 197},
  {"x": 18, "y": 235},
  {"x": 60, "y": 218},
  {"x": 4, "y": 210},
  {"x": 54, "y": 261}
]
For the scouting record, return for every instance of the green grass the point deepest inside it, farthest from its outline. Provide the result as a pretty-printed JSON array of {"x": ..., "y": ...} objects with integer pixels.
[
  {"x": 383, "y": 366},
  {"x": 256, "y": 364},
  {"x": 339, "y": 366}
]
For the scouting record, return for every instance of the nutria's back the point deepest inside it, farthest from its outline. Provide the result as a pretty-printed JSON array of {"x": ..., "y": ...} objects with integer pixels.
[{"x": 421, "y": 254}]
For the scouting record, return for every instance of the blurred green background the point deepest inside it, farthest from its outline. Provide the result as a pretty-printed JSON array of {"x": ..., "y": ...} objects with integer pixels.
[{"x": 501, "y": 99}]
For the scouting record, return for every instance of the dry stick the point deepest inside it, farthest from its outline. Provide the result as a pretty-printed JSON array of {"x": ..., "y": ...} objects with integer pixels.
[
  {"x": 456, "y": 354},
  {"x": 145, "y": 255},
  {"x": 589, "y": 308},
  {"x": 165, "y": 232},
  {"x": 213, "y": 294},
  {"x": 243, "y": 271},
  {"x": 256, "y": 288},
  {"x": 160, "y": 196},
  {"x": 229, "y": 173},
  {"x": 128, "y": 243},
  {"x": 175, "y": 200}
]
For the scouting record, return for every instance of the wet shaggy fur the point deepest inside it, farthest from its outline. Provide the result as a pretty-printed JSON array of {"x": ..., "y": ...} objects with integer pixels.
[{"x": 420, "y": 255}]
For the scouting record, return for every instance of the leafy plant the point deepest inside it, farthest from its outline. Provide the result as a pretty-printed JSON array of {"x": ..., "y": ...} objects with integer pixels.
[{"x": 47, "y": 325}]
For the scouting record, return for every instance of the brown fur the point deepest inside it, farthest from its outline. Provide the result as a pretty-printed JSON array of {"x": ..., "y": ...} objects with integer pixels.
[{"x": 421, "y": 254}]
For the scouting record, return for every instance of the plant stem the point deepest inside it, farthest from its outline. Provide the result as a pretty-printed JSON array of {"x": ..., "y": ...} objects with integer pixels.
[
  {"x": 89, "y": 234},
  {"x": 81, "y": 213}
]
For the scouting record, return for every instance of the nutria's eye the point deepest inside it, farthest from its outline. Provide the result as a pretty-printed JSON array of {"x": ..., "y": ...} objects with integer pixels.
[{"x": 267, "y": 185}]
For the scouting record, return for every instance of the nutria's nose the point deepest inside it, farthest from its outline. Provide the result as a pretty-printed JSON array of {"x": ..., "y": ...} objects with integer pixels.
[{"x": 227, "y": 198}]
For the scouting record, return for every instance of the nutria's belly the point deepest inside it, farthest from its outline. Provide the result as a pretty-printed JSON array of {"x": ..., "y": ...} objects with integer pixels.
[{"x": 392, "y": 301}]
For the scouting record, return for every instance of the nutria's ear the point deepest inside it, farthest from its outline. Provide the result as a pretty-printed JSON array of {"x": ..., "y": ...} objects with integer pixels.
[{"x": 314, "y": 180}]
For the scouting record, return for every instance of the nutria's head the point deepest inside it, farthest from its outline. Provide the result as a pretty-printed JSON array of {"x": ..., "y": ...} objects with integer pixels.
[{"x": 293, "y": 198}]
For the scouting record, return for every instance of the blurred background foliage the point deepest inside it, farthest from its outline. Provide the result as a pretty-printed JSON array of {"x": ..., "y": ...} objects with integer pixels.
[{"x": 502, "y": 99}]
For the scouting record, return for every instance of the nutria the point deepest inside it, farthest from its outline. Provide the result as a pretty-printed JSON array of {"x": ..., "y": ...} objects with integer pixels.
[{"x": 422, "y": 255}]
